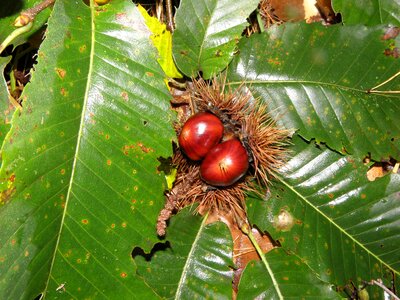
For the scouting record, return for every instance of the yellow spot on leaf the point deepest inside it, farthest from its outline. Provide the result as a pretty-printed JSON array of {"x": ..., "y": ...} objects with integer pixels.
[
  {"x": 125, "y": 96},
  {"x": 61, "y": 72},
  {"x": 82, "y": 48}
]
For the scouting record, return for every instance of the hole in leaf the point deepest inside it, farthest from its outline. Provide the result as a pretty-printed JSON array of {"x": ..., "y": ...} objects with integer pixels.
[
  {"x": 137, "y": 251},
  {"x": 165, "y": 165}
]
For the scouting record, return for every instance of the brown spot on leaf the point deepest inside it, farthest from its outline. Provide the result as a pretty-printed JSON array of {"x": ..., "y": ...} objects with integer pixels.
[
  {"x": 284, "y": 221},
  {"x": 12, "y": 178},
  {"x": 125, "y": 96},
  {"x": 5, "y": 196},
  {"x": 391, "y": 33},
  {"x": 395, "y": 52},
  {"x": 120, "y": 16},
  {"x": 380, "y": 169},
  {"x": 63, "y": 92},
  {"x": 61, "y": 72},
  {"x": 144, "y": 148}
]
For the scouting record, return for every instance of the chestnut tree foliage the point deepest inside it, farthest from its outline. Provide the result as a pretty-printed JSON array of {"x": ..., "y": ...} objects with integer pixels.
[{"x": 80, "y": 181}]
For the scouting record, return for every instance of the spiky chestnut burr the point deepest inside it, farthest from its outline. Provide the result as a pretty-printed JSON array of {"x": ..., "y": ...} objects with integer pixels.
[{"x": 246, "y": 119}]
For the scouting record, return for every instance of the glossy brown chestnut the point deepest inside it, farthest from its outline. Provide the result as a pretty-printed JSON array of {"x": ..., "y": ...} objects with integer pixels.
[
  {"x": 225, "y": 164},
  {"x": 200, "y": 133}
]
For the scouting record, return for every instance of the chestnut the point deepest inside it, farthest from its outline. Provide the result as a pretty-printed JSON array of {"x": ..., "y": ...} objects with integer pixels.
[
  {"x": 200, "y": 133},
  {"x": 225, "y": 164}
]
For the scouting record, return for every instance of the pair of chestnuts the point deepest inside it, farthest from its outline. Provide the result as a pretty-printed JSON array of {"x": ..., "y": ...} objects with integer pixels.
[{"x": 223, "y": 163}]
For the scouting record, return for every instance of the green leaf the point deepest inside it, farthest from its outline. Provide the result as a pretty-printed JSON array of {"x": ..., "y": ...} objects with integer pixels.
[
  {"x": 205, "y": 42},
  {"x": 162, "y": 40},
  {"x": 198, "y": 263},
  {"x": 10, "y": 10},
  {"x": 325, "y": 210},
  {"x": 290, "y": 278},
  {"x": 5, "y": 108},
  {"x": 315, "y": 79},
  {"x": 80, "y": 179},
  {"x": 368, "y": 12}
]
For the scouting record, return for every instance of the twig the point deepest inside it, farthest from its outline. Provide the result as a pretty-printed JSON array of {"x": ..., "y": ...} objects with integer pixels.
[
  {"x": 28, "y": 16},
  {"x": 379, "y": 283},
  {"x": 170, "y": 18},
  {"x": 17, "y": 32}
]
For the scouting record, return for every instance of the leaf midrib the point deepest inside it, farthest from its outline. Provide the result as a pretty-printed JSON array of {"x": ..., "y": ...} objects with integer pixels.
[
  {"x": 190, "y": 254},
  {"x": 317, "y": 83},
  {"x": 335, "y": 224},
  {"x": 79, "y": 138}
]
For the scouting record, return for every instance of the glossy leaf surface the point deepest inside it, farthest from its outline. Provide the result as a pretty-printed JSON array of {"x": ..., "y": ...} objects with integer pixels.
[
  {"x": 205, "y": 42},
  {"x": 80, "y": 179},
  {"x": 288, "y": 278},
  {"x": 198, "y": 263},
  {"x": 315, "y": 78},
  {"x": 368, "y": 12},
  {"x": 326, "y": 211}
]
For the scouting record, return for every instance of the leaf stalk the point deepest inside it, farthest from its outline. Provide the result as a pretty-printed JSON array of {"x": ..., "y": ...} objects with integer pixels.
[{"x": 246, "y": 230}]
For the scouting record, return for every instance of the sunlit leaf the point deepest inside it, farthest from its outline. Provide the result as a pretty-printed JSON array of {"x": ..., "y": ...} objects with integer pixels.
[
  {"x": 205, "y": 42},
  {"x": 325, "y": 210},
  {"x": 288, "y": 278},
  {"x": 316, "y": 79},
  {"x": 196, "y": 265},
  {"x": 80, "y": 184},
  {"x": 368, "y": 12}
]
